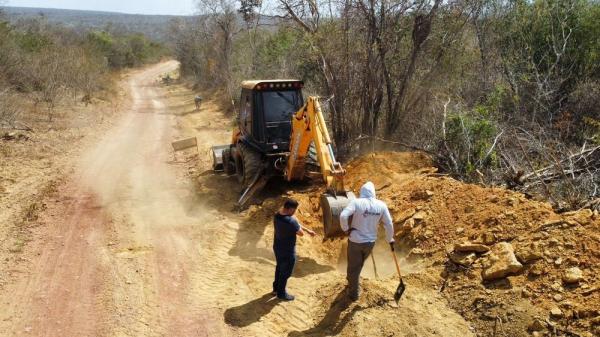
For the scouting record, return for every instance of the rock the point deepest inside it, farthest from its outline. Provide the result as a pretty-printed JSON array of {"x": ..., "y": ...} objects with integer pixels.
[
  {"x": 537, "y": 325},
  {"x": 14, "y": 136},
  {"x": 407, "y": 227},
  {"x": 422, "y": 195},
  {"x": 471, "y": 247},
  {"x": 459, "y": 230},
  {"x": 567, "y": 304},
  {"x": 556, "y": 312},
  {"x": 501, "y": 262},
  {"x": 549, "y": 254},
  {"x": 487, "y": 238},
  {"x": 536, "y": 270},
  {"x": 420, "y": 216},
  {"x": 556, "y": 287},
  {"x": 572, "y": 275},
  {"x": 557, "y": 297},
  {"x": 586, "y": 313},
  {"x": 529, "y": 253},
  {"x": 417, "y": 251},
  {"x": 558, "y": 261},
  {"x": 572, "y": 261},
  {"x": 526, "y": 293},
  {"x": 462, "y": 258},
  {"x": 583, "y": 216}
]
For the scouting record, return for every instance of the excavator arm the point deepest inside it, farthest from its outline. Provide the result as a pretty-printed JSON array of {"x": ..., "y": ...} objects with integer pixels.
[{"x": 308, "y": 126}]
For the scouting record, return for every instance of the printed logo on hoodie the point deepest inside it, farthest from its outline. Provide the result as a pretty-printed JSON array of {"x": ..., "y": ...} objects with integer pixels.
[{"x": 369, "y": 212}]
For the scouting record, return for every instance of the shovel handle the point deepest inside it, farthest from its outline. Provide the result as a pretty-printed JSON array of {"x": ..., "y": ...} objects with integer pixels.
[{"x": 396, "y": 261}]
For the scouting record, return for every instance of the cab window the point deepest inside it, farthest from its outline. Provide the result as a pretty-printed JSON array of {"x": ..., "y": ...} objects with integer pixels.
[{"x": 280, "y": 106}]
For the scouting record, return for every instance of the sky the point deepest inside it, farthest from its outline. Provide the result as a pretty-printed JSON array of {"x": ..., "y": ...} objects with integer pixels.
[{"x": 165, "y": 7}]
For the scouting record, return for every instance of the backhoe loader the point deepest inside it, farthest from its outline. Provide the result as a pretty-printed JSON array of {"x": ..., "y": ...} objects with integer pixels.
[{"x": 278, "y": 133}]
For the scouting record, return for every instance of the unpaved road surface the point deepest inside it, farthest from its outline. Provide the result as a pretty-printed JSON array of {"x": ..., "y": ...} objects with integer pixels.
[{"x": 137, "y": 242}]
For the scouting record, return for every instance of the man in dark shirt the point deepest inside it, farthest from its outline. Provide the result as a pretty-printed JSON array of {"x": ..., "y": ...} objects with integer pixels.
[{"x": 284, "y": 246}]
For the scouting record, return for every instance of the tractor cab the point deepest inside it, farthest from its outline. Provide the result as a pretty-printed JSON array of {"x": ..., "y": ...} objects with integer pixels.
[{"x": 265, "y": 113}]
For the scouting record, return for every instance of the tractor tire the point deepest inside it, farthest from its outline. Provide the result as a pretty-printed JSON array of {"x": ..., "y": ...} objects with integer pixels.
[
  {"x": 238, "y": 163},
  {"x": 228, "y": 166},
  {"x": 252, "y": 163}
]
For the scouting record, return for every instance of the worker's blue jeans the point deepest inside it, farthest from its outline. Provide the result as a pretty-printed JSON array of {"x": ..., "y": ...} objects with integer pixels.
[{"x": 283, "y": 271}]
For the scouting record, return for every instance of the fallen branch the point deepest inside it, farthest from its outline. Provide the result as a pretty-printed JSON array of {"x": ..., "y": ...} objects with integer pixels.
[{"x": 549, "y": 170}]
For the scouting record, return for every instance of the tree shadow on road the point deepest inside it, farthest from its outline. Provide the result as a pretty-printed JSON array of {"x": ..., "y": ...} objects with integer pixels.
[
  {"x": 251, "y": 312},
  {"x": 340, "y": 313}
]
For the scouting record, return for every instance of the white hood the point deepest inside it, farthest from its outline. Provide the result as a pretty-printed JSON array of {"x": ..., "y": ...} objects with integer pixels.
[
  {"x": 366, "y": 213},
  {"x": 367, "y": 190}
]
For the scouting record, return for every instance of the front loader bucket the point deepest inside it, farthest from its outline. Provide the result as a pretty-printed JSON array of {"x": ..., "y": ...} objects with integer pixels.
[
  {"x": 217, "y": 154},
  {"x": 332, "y": 206}
]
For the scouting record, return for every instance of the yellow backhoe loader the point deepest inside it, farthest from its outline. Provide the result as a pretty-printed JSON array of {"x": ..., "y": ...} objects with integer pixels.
[{"x": 278, "y": 133}]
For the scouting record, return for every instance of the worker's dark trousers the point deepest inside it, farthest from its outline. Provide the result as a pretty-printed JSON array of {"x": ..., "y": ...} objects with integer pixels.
[
  {"x": 283, "y": 271},
  {"x": 357, "y": 254}
]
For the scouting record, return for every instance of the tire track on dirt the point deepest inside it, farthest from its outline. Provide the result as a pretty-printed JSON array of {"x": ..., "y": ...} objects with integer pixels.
[
  {"x": 65, "y": 283},
  {"x": 153, "y": 254}
]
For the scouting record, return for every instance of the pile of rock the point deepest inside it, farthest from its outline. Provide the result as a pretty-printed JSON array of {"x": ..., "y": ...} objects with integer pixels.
[{"x": 498, "y": 261}]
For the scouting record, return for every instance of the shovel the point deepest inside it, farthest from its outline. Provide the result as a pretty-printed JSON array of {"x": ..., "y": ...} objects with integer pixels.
[{"x": 401, "y": 287}]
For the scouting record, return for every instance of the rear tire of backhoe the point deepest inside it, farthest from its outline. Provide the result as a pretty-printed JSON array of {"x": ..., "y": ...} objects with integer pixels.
[
  {"x": 251, "y": 162},
  {"x": 228, "y": 165}
]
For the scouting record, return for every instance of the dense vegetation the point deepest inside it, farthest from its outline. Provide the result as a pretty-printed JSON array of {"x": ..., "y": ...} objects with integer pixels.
[
  {"x": 48, "y": 62},
  {"x": 502, "y": 91}
]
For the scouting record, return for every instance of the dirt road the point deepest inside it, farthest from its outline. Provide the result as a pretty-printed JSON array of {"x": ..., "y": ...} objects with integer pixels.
[{"x": 137, "y": 243}]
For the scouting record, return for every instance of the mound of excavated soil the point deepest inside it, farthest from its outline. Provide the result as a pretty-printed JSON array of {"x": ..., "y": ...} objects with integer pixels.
[
  {"x": 421, "y": 312},
  {"x": 433, "y": 212}
]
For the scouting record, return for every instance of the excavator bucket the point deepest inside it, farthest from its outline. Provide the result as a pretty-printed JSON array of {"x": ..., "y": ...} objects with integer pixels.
[{"x": 332, "y": 206}]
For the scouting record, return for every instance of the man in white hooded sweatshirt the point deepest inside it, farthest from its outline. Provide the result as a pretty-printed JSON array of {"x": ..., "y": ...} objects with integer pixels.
[{"x": 366, "y": 213}]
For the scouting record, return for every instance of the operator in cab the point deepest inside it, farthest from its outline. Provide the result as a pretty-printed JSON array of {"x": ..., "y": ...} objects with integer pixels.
[
  {"x": 287, "y": 228},
  {"x": 366, "y": 212}
]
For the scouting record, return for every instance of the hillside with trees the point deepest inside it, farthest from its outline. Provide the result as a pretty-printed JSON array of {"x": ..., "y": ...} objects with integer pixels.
[
  {"x": 499, "y": 92},
  {"x": 153, "y": 26}
]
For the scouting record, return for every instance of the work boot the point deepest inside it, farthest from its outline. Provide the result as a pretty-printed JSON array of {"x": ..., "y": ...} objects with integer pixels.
[
  {"x": 352, "y": 296},
  {"x": 286, "y": 297}
]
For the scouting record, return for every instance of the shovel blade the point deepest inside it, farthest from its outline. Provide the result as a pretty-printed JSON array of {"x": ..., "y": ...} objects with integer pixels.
[{"x": 399, "y": 291}]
